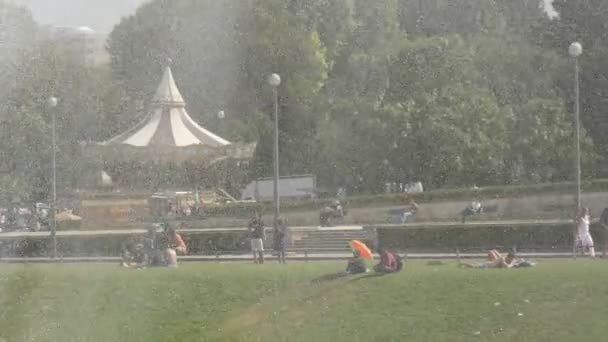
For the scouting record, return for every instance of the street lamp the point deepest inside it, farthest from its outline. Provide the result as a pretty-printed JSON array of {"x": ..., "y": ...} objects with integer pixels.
[
  {"x": 52, "y": 103},
  {"x": 575, "y": 50},
  {"x": 275, "y": 80}
]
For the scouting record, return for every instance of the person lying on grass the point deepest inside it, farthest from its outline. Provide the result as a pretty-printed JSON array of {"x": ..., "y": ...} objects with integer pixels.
[
  {"x": 389, "y": 262},
  {"x": 356, "y": 264},
  {"x": 495, "y": 260}
]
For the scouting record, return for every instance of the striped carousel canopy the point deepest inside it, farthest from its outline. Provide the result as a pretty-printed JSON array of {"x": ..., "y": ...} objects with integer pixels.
[{"x": 168, "y": 123}]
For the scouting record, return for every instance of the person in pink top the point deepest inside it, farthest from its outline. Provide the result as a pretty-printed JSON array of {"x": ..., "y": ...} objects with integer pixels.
[
  {"x": 175, "y": 246},
  {"x": 389, "y": 262}
]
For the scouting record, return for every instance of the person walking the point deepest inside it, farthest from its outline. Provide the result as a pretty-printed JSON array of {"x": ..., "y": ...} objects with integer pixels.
[
  {"x": 604, "y": 223},
  {"x": 280, "y": 239},
  {"x": 257, "y": 235},
  {"x": 584, "y": 238}
]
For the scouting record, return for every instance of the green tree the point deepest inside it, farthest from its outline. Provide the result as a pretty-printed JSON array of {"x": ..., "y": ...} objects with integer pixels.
[
  {"x": 357, "y": 84},
  {"x": 584, "y": 21},
  {"x": 222, "y": 52},
  {"x": 442, "y": 17},
  {"x": 26, "y": 148},
  {"x": 541, "y": 143},
  {"x": 516, "y": 70},
  {"x": 204, "y": 42},
  {"x": 17, "y": 31}
]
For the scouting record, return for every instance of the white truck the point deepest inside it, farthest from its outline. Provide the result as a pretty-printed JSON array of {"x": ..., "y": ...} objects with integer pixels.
[{"x": 294, "y": 187}]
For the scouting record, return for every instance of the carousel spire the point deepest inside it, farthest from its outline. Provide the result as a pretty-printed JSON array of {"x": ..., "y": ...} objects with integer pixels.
[
  {"x": 168, "y": 124},
  {"x": 167, "y": 92}
]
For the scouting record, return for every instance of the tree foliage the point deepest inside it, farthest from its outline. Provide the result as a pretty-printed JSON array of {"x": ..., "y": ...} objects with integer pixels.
[
  {"x": 584, "y": 21},
  {"x": 25, "y": 132},
  {"x": 447, "y": 92}
]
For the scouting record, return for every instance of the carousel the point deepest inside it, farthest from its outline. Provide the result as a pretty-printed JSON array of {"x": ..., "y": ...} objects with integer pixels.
[
  {"x": 167, "y": 154},
  {"x": 169, "y": 143}
]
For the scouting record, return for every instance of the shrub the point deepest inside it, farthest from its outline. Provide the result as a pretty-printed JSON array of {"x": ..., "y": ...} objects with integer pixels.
[{"x": 475, "y": 238}]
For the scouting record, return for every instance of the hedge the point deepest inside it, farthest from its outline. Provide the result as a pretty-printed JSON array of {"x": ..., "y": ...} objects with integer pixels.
[
  {"x": 112, "y": 245},
  {"x": 248, "y": 209},
  {"x": 557, "y": 237}
]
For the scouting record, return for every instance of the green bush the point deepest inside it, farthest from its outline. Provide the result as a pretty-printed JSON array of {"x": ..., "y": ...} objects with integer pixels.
[{"x": 557, "y": 237}]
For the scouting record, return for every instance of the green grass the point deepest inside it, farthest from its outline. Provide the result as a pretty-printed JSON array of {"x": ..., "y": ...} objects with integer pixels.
[{"x": 560, "y": 301}]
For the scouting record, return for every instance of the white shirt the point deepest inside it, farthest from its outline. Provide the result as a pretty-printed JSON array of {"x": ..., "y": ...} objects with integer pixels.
[
  {"x": 583, "y": 225},
  {"x": 475, "y": 205}
]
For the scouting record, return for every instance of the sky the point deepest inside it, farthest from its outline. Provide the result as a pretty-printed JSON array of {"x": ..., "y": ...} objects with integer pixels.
[{"x": 101, "y": 15}]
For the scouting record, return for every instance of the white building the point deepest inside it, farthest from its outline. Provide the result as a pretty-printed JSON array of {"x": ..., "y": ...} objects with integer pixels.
[{"x": 81, "y": 45}]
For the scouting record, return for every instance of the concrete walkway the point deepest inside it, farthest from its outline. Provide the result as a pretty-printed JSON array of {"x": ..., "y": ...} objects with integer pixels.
[
  {"x": 497, "y": 224},
  {"x": 18, "y": 235}
]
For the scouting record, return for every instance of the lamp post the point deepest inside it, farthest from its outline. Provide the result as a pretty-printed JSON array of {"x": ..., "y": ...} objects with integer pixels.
[
  {"x": 575, "y": 50},
  {"x": 275, "y": 80},
  {"x": 52, "y": 103}
]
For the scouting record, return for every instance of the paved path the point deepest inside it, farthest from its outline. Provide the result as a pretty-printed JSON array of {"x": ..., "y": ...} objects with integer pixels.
[
  {"x": 18, "y": 235},
  {"x": 497, "y": 224},
  {"x": 500, "y": 223}
]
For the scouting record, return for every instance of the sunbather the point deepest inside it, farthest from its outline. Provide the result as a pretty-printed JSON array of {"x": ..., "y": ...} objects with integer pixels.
[{"x": 495, "y": 260}]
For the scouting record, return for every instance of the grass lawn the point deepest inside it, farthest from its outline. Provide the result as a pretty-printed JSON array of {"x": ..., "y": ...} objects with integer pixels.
[{"x": 556, "y": 301}]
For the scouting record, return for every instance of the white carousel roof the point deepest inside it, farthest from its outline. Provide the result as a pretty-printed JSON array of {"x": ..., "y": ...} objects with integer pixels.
[{"x": 168, "y": 123}]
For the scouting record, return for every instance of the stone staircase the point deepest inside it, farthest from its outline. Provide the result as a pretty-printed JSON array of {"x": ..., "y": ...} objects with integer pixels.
[{"x": 325, "y": 241}]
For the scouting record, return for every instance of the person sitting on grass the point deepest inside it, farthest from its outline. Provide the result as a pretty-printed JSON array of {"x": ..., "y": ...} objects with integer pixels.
[
  {"x": 356, "y": 264},
  {"x": 134, "y": 257},
  {"x": 495, "y": 260},
  {"x": 154, "y": 256},
  {"x": 389, "y": 262},
  {"x": 175, "y": 246}
]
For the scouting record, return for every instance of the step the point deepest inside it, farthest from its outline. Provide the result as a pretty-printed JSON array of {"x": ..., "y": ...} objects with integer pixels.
[
  {"x": 322, "y": 246},
  {"x": 358, "y": 233},
  {"x": 322, "y": 236},
  {"x": 317, "y": 250},
  {"x": 340, "y": 242},
  {"x": 327, "y": 239}
]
